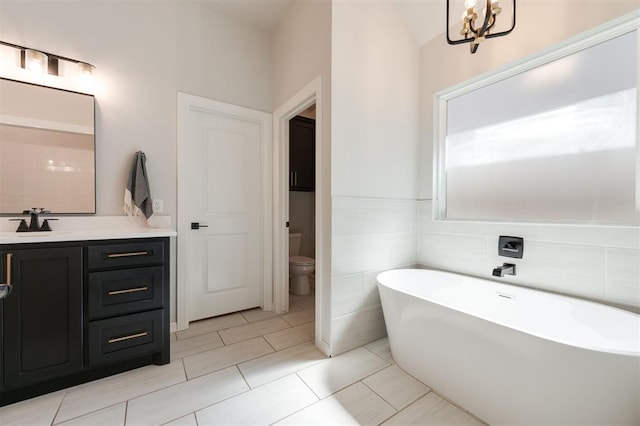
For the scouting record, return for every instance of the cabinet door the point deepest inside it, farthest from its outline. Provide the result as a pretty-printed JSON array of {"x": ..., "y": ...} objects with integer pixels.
[
  {"x": 42, "y": 317},
  {"x": 302, "y": 154}
]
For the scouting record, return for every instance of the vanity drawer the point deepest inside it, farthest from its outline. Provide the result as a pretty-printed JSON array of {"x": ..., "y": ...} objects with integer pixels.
[
  {"x": 126, "y": 254},
  {"x": 124, "y": 291},
  {"x": 120, "y": 338}
]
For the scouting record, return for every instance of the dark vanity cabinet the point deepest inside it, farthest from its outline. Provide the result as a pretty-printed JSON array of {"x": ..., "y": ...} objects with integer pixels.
[
  {"x": 302, "y": 154},
  {"x": 42, "y": 321},
  {"x": 80, "y": 311}
]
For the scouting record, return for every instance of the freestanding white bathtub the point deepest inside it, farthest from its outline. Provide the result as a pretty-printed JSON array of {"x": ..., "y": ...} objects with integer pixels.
[{"x": 512, "y": 355}]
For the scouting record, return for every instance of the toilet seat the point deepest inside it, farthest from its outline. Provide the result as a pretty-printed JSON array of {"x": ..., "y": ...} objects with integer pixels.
[{"x": 302, "y": 261}]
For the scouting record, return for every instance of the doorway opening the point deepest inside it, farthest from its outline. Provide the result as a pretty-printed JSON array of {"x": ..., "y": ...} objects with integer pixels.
[
  {"x": 317, "y": 200},
  {"x": 302, "y": 177}
]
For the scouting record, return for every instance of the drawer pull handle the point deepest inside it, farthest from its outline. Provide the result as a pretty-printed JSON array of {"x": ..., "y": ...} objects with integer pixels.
[
  {"x": 134, "y": 253},
  {"x": 132, "y": 336},
  {"x": 129, "y": 290}
]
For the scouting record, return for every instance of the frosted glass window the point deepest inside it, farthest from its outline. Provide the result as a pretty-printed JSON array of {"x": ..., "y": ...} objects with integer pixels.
[{"x": 554, "y": 144}]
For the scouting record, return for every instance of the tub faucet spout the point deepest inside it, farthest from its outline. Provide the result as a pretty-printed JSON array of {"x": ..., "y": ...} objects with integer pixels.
[{"x": 505, "y": 269}]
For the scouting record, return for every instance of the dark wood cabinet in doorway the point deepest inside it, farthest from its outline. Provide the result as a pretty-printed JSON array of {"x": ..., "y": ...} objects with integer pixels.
[{"x": 302, "y": 154}]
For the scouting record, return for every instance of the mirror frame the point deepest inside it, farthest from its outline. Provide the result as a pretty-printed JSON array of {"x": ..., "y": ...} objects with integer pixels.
[{"x": 612, "y": 29}]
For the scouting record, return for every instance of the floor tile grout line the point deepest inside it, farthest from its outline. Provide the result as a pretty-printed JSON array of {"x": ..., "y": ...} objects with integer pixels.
[
  {"x": 210, "y": 331},
  {"x": 236, "y": 364},
  {"x": 389, "y": 402},
  {"x": 199, "y": 350},
  {"x": 58, "y": 409},
  {"x": 458, "y": 406}
]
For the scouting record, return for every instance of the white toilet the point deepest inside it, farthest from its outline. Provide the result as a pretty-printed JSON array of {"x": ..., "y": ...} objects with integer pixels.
[{"x": 300, "y": 267}]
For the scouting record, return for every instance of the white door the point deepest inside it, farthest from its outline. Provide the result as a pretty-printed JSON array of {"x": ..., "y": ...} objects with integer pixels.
[{"x": 224, "y": 171}]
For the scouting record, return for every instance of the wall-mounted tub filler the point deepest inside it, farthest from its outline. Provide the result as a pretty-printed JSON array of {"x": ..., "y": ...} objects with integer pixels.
[{"x": 505, "y": 269}]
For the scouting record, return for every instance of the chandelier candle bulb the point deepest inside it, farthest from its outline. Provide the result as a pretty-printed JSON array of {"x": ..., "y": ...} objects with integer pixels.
[{"x": 474, "y": 30}]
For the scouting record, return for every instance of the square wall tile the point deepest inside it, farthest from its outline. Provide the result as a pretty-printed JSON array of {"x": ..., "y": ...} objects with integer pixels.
[
  {"x": 384, "y": 216},
  {"x": 346, "y": 216},
  {"x": 566, "y": 268},
  {"x": 615, "y": 236},
  {"x": 355, "y": 254},
  {"x": 453, "y": 252},
  {"x": 495, "y": 229},
  {"x": 623, "y": 276},
  {"x": 346, "y": 294},
  {"x": 401, "y": 250},
  {"x": 357, "y": 329},
  {"x": 371, "y": 295}
]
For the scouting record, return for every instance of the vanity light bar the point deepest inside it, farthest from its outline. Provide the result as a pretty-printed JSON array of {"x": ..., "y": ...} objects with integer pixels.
[{"x": 45, "y": 62}]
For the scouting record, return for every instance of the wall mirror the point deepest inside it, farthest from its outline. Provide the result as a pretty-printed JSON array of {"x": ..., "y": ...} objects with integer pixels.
[
  {"x": 47, "y": 149},
  {"x": 552, "y": 138}
]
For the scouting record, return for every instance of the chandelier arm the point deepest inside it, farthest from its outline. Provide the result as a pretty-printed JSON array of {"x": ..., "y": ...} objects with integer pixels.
[
  {"x": 487, "y": 15},
  {"x": 469, "y": 38}
]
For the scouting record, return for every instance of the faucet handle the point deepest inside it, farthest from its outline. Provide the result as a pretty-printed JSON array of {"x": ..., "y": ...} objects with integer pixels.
[
  {"x": 45, "y": 225},
  {"x": 23, "y": 227}
]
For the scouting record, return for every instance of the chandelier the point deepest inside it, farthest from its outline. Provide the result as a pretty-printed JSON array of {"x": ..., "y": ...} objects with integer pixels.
[{"x": 480, "y": 24}]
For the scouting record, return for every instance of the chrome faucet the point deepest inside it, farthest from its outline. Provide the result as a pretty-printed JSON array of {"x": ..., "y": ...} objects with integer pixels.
[{"x": 505, "y": 269}]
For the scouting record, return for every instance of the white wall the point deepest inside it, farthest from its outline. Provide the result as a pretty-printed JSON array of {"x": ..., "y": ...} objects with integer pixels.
[
  {"x": 145, "y": 52},
  {"x": 374, "y": 168},
  {"x": 374, "y": 103},
  {"x": 595, "y": 262}
]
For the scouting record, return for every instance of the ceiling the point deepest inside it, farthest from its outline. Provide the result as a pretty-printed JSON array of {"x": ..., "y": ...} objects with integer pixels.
[{"x": 425, "y": 18}]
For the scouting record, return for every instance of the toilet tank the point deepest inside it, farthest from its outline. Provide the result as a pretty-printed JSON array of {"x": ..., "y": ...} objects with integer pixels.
[{"x": 295, "y": 239}]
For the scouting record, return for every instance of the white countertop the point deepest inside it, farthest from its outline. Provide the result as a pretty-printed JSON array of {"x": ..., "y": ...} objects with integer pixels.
[{"x": 89, "y": 228}]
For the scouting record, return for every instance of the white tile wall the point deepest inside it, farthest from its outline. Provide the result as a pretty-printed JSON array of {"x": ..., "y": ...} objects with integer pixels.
[
  {"x": 374, "y": 235},
  {"x": 369, "y": 236},
  {"x": 597, "y": 262},
  {"x": 356, "y": 329},
  {"x": 623, "y": 275}
]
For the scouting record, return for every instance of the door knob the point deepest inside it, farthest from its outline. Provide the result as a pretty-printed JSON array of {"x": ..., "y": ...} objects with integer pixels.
[{"x": 197, "y": 225}]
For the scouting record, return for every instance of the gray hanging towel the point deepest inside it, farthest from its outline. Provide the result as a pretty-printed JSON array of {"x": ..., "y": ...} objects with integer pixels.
[{"x": 137, "y": 195}]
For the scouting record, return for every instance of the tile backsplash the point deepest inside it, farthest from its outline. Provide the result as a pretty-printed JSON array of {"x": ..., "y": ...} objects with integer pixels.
[
  {"x": 373, "y": 235},
  {"x": 369, "y": 236},
  {"x": 594, "y": 262}
]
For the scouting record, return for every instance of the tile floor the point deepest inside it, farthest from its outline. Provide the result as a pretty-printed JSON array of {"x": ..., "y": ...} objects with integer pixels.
[{"x": 252, "y": 367}]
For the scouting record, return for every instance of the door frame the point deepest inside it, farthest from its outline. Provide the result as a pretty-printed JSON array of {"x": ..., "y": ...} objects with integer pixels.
[
  {"x": 187, "y": 103},
  {"x": 310, "y": 94}
]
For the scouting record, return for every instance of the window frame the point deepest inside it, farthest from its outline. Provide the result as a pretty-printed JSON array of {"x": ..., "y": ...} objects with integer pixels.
[{"x": 615, "y": 28}]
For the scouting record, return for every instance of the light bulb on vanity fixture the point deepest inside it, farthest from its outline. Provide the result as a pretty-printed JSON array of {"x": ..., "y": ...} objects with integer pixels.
[
  {"x": 478, "y": 25},
  {"x": 34, "y": 60},
  {"x": 47, "y": 68}
]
